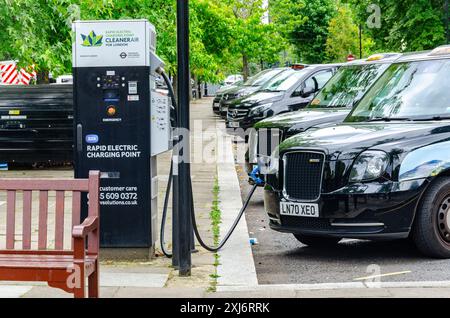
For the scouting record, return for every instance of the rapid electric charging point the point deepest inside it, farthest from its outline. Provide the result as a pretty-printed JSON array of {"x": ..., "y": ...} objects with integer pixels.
[{"x": 121, "y": 124}]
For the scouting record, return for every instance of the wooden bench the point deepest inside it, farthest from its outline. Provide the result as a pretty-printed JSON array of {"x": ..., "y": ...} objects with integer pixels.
[{"x": 66, "y": 269}]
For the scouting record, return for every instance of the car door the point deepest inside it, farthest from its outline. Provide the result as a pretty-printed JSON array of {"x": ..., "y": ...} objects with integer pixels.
[{"x": 306, "y": 91}]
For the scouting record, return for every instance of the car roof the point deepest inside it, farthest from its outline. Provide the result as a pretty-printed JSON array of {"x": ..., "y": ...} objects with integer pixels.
[
  {"x": 378, "y": 58},
  {"x": 331, "y": 65},
  {"x": 441, "y": 52}
]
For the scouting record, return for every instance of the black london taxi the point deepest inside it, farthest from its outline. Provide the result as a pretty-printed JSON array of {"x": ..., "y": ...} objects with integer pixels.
[
  {"x": 384, "y": 173},
  {"x": 332, "y": 105}
]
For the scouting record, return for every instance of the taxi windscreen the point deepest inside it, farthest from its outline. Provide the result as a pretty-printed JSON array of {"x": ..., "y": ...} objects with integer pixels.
[
  {"x": 408, "y": 91},
  {"x": 348, "y": 86}
]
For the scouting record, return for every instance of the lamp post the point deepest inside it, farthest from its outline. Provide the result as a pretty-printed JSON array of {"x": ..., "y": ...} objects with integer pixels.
[
  {"x": 360, "y": 42},
  {"x": 182, "y": 188}
]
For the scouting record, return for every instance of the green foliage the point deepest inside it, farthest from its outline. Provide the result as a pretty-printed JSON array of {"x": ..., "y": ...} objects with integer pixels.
[
  {"x": 306, "y": 25},
  {"x": 408, "y": 25},
  {"x": 252, "y": 39},
  {"x": 286, "y": 15},
  {"x": 37, "y": 32},
  {"x": 226, "y": 36},
  {"x": 343, "y": 37}
]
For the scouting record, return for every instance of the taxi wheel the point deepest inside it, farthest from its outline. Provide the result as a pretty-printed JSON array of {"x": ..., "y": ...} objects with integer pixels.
[
  {"x": 431, "y": 230},
  {"x": 315, "y": 241}
]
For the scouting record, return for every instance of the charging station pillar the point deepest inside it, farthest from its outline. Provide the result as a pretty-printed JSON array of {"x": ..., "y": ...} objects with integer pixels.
[{"x": 118, "y": 115}]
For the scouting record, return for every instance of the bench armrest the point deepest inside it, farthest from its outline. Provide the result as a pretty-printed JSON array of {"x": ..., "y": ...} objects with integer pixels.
[{"x": 89, "y": 225}]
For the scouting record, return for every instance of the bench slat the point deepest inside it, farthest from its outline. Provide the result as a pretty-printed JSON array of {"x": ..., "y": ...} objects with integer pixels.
[
  {"x": 10, "y": 219},
  {"x": 76, "y": 209},
  {"x": 59, "y": 220},
  {"x": 43, "y": 214},
  {"x": 26, "y": 222}
]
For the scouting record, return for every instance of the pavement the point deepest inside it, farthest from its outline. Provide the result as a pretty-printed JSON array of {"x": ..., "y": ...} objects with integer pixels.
[{"x": 278, "y": 266}]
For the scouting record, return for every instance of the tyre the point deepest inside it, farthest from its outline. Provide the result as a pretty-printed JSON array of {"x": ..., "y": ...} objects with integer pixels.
[
  {"x": 431, "y": 229},
  {"x": 315, "y": 241}
]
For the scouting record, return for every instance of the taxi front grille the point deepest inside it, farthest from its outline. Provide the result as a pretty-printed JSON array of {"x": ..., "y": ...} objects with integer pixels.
[{"x": 303, "y": 175}]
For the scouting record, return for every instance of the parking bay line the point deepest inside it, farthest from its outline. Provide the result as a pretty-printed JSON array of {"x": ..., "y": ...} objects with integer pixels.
[{"x": 382, "y": 275}]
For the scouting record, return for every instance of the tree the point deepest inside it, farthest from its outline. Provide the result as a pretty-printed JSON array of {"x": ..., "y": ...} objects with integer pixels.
[
  {"x": 306, "y": 25},
  {"x": 408, "y": 25},
  {"x": 38, "y": 33},
  {"x": 343, "y": 37},
  {"x": 252, "y": 39},
  {"x": 286, "y": 16}
]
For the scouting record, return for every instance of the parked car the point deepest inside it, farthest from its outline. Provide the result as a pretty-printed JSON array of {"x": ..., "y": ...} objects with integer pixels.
[
  {"x": 220, "y": 93},
  {"x": 250, "y": 86},
  {"x": 289, "y": 91},
  {"x": 65, "y": 79},
  {"x": 233, "y": 79},
  {"x": 382, "y": 174},
  {"x": 330, "y": 106},
  {"x": 36, "y": 123}
]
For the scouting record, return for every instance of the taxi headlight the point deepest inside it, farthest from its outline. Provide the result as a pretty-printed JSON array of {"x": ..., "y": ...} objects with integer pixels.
[{"x": 370, "y": 165}]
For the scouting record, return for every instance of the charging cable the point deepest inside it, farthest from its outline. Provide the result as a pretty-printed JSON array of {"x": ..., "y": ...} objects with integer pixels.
[{"x": 253, "y": 175}]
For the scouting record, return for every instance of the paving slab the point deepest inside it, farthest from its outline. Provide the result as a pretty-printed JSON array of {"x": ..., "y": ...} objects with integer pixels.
[
  {"x": 14, "y": 291},
  {"x": 133, "y": 279},
  {"x": 133, "y": 292}
]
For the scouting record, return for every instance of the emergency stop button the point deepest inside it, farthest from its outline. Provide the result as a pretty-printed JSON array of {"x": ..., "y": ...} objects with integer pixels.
[{"x": 111, "y": 110}]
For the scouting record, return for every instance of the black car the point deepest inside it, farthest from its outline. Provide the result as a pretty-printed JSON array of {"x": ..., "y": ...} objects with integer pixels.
[
  {"x": 330, "y": 106},
  {"x": 382, "y": 174},
  {"x": 220, "y": 93},
  {"x": 250, "y": 86},
  {"x": 289, "y": 91}
]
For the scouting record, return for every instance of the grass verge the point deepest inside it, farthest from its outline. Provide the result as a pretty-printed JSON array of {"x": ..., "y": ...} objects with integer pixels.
[{"x": 216, "y": 219}]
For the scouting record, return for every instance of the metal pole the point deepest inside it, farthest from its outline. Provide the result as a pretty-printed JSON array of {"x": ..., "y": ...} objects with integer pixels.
[
  {"x": 447, "y": 18},
  {"x": 175, "y": 220},
  {"x": 360, "y": 42},
  {"x": 184, "y": 86}
]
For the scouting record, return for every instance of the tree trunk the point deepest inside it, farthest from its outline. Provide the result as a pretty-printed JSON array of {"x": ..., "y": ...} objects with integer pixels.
[
  {"x": 43, "y": 77},
  {"x": 190, "y": 86},
  {"x": 175, "y": 87},
  {"x": 245, "y": 67},
  {"x": 199, "y": 88}
]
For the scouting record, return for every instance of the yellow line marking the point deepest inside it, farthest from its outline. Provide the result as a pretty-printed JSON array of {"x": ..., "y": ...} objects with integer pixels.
[{"x": 382, "y": 275}]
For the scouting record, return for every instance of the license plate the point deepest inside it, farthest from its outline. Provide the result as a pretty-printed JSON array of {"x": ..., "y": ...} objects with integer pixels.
[
  {"x": 234, "y": 124},
  {"x": 216, "y": 104},
  {"x": 309, "y": 210}
]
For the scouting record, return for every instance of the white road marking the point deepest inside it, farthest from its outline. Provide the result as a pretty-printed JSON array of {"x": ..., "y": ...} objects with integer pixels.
[{"x": 382, "y": 275}]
